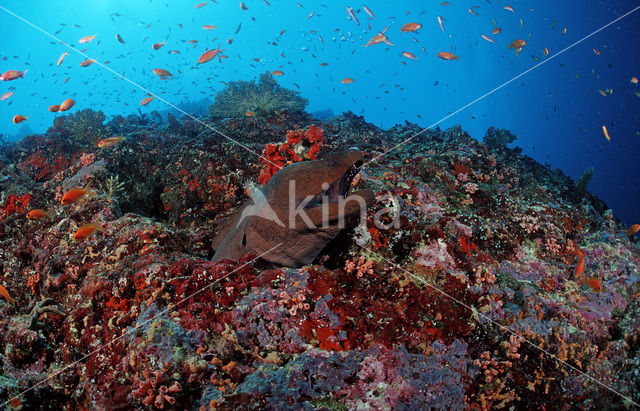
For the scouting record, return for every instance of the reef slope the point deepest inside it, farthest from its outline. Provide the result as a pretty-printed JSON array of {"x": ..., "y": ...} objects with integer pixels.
[{"x": 469, "y": 301}]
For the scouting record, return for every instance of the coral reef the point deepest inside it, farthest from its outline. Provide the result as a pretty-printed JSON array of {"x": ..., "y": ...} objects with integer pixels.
[{"x": 470, "y": 297}]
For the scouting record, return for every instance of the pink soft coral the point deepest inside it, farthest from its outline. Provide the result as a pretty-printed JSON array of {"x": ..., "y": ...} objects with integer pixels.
[
  {"x": 435, "y": 254},
  {"x": 153, "y": 389}
]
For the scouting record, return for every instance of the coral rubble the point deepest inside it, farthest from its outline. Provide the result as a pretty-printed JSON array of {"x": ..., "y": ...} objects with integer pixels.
[{"x": 469, "y": 297}]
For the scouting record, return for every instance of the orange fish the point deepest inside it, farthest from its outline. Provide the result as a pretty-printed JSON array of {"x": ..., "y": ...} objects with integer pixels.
[
  {"x": 210, "y": 55},
  {"x": 352, "y": 15},
  {"x": 277, "y": 73},
  {"x": 208, "y": 27},
  {"x": 411, "y": 27},
  {"x": 517, "y": 44},
  {"x": 12, "y": 75},
  {"x": 409, "y": 55},
  {"x": 6, "y": 95},
  {"x": 606, "y": 133},
  {"x": 545, "y": 52},
  {"x": 62, "y": 56},
  {"x": 37, "y": 214},
  {"x": 489, "y": 39},
  {"x": 445, "y": 55},
  {"x": 473, "y": 13},
  {"x": 109, "y": 142},
  {"x": 580, "y": 266},
  {"x": 634, "y": 80},
  {"x": 347, "y": 80},
  {"x": 574, "y": 250},
  {"x": 86, "y": 231},
  {"x": 250, "y": 114},
  {"x": 199, "y": 5},
  {"x": 87, "y": 63},
  {"x": 54, "y": 108},
  {"x": 75, "y": 194},
  {"x": 156, "y": 46},
  {"x": 496, "y": 30},
  {"x": 594, "y": 284},
  {"x": 597, "y": 52},
  {"x": 67, "y": 104},
  {"x": 17, "y": 119},
  {"x": 146, "y": 101},
  {"x": 5, "y": 294},
  {"x": 509, "y": 8},
  {"x": 161, "y": 72},
  {"x": 631, "y": 231},
  {"x": 380, "y": 38},
  {"x": 87, "y": 39},
  {"x": 440, "y": 23},
  {"x": 369, "y": 12}
]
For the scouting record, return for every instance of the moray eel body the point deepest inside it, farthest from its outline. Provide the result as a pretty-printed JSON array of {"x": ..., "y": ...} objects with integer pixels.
[{"x": 301, "y": 209}]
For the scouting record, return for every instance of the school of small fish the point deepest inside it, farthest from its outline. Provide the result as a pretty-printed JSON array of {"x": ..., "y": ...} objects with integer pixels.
[{"x": 362, "y": 16}]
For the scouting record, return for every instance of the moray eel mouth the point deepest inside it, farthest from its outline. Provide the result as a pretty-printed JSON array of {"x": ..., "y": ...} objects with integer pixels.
[
  {"x": 305, "y": 206},
  {"x": 337, "y": 190}
]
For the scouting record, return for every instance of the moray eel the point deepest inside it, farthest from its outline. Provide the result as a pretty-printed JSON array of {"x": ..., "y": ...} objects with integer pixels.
[{"x": 302, "y": 208}]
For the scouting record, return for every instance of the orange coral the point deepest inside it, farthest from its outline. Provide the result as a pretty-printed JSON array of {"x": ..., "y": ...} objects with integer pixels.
[
  {"x": 15, "y": 205},
  {"x": 32, "y": 282},
  {"x": 277, "y": 156}
]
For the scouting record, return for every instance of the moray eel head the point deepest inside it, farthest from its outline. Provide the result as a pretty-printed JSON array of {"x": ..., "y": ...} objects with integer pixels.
[{"x": 304, "y": 206}]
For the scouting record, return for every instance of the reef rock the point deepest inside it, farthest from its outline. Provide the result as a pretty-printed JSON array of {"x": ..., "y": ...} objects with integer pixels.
[{"x": 478, "y": 278}]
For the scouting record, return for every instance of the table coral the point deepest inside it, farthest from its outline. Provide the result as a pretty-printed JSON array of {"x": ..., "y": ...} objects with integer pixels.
[{"x": 240, "y": 97}]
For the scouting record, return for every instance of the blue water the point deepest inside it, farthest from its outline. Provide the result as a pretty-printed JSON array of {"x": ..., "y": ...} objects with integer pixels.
[{"x": 555, "y": 110}]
